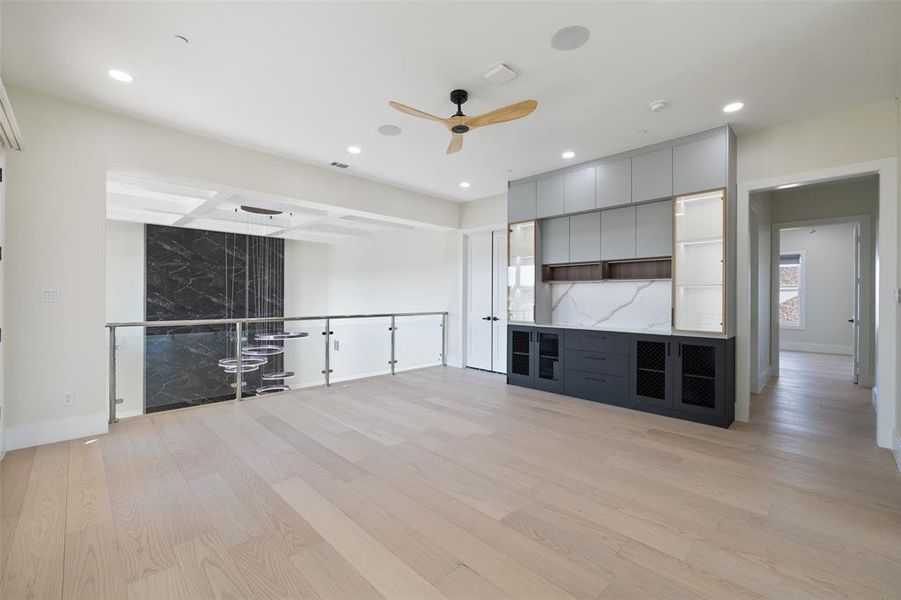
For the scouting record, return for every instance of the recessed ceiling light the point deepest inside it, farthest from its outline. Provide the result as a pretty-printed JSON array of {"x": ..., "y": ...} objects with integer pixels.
[
  {"x": 658, "y": 105},
  {"x": 786, "y": 186},
  {"x": 733, "y": 107},
  {"x": 568, "y": 154},
  {"x": 570, "y": 38},
  {"x": 119, "y": 75},
  {"x": 389, "y": 129},
  {"x": 464, "y": 184},
  {"x": 354, "y": 149}
]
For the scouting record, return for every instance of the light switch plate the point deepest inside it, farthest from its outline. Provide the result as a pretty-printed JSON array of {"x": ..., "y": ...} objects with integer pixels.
[{"x": 49, "y": 295}]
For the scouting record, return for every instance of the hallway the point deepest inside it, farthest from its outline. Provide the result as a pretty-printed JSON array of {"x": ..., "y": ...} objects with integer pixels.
[{"x": 814, "y": 396}]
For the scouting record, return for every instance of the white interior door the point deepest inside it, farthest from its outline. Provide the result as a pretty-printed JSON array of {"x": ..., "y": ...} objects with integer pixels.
[
  {"x": 499, "y": 314},
  {"x": 855, "y": 318},
  {"x": 479, "y": 302}
]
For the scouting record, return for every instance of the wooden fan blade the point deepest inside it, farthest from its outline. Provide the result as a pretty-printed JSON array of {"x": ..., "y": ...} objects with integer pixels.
[
  {"x": 455, "y": 144},
  {"x": 415, "y": 112},
  {"x": 502, "y": 115}
]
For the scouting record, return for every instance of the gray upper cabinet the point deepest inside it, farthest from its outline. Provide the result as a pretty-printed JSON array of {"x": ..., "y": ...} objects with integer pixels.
[
  {"x": 555, "y": 241},
  {"x": 700, "y": 165},
  {"x": 521, "y": 202},
  {"x": 618, "y": 233},
  {"x": 579, "y": 190},
  {"x": 550, "y": 196},
  {"x": 614, "y": 183},
  {"x": 652, "y": 175},
  {"x": 585, "y": 237},
  {"x": 654, "y": 229}
]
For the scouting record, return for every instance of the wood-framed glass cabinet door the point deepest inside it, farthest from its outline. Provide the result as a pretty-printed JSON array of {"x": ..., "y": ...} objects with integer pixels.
[{"x": 699, "y": 262}]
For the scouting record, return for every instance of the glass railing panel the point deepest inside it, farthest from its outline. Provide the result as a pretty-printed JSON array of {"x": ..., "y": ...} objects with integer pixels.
[
  {"x": 417, "y": 342},
  {"x": 181, "y": 366},
  {"x": 130, "y": 371},
  {"x": 360, "y": 348},
  {"x": 304, "y": 356}
]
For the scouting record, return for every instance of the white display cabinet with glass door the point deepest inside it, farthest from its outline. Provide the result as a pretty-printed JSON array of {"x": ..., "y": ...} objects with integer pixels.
[
  {"x": 521, "y": 272},
  {"x": 699, "y": 262}
]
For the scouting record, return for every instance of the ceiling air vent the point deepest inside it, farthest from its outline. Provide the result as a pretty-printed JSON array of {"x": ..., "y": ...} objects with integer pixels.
[{"x": 340, "y": 165}]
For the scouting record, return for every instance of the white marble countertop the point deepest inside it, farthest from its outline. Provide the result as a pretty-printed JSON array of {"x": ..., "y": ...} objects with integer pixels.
[
  {"x": 585, "y": 328},
  {"x": 621, "y": 330}
]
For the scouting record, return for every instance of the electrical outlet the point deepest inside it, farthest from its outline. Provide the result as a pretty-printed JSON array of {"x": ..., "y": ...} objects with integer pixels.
[
  {"x": 68, "y": 398},
  {"x": 49, "y": 295}
]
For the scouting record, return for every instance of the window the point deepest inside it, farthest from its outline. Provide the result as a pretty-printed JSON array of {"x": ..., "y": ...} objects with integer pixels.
[{"x": 791, "y": 291}]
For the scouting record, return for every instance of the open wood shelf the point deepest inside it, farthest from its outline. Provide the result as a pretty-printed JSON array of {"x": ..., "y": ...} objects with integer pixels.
[{"x": 609, "y": 270}]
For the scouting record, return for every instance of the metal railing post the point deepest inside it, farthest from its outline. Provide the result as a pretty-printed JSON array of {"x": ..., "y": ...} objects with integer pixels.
[
  {"x": 328, "y": 352},
  {"x": 443, "y": 339},
  {"x": 392, "y": 328},
  {"x": 239, "y": 376},
  {"x": 112, "y": 376}
]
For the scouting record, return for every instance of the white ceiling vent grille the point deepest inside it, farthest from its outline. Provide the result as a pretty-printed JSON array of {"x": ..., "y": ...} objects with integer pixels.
[{"x": 10, "y": 136}]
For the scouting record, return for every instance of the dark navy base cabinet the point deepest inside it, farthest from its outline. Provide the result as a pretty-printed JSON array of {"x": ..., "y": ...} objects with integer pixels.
[
  {"x": 689, "y": 378},
  {"x": 652, "y": 371},
  {"x": 535, "y": 357}
]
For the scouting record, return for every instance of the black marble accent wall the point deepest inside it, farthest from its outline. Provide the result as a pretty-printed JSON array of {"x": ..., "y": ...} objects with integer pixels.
[{"x": 197, "y": 274}]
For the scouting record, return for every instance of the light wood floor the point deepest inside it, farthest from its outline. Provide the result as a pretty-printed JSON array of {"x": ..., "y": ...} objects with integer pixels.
[{"x": 448, "y": 483}]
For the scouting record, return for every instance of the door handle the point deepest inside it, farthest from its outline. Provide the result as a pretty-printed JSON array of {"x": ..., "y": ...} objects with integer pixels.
[
  {"x": 495, "y": 318},
  {"x": 486, "y": 318},
  {"x": 850, "y": 320}
]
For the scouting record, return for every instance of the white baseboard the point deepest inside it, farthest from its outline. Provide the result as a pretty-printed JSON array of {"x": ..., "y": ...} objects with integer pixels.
[
  {"x": 59, "y": 430},
  {"x": 820, "y": 348},
  {"x": 896, "y": 447}
]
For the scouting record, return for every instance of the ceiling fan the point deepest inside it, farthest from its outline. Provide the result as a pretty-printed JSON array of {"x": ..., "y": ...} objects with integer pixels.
[{"x": 458, "y": 123}]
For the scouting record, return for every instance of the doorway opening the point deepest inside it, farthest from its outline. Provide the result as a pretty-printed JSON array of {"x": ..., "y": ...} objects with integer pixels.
[
  {"x": 486, "y": 301},
  {"x": 813, "y": 298}
]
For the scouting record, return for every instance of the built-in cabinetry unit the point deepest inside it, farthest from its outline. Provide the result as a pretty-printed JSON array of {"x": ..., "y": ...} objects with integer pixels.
[
  {"x": 685, "y": 377},
  {"x": 659, "y": 212}
]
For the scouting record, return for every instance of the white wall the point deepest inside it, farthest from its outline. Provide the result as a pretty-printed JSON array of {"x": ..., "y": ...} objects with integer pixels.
[
  {"x": 56, "y": 201},
  {"x": 2, "y": 311},
  {"x": 399, "y": 271},
  {"x": 485, "y": 212},
  {"x": 827, "y": 302},
  {"x": 125, "y": 302},
  {"x": 860, "y": 140}
]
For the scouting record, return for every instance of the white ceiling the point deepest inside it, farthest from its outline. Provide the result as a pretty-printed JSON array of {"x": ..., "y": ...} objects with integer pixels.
[
  {"x": 140, "y": 200},
  {"x": 306, "y": 80}
]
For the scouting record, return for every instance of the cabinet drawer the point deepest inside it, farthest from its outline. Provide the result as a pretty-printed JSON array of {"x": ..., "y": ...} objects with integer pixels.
[
  {"x": 597, "y": 362},
  {"x": 609, "y": 389},
  {"x": 597, "y": 341}
]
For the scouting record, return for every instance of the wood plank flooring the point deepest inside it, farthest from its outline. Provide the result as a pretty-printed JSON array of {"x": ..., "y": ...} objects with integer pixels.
[{"x": 447, "y": 483}]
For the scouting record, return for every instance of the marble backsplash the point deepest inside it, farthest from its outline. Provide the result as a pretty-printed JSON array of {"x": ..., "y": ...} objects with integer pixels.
[{"x": 636, "y": 305}]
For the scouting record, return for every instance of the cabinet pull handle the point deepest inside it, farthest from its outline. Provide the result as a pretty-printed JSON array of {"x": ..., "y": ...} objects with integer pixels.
[
  {"x": 595, "y": 358},
  {"x": 680, "y": 349},
  {"x": 668, "y": 353},
  {"x": 590, "y": 378}
]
